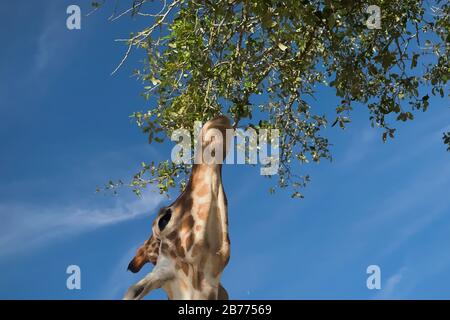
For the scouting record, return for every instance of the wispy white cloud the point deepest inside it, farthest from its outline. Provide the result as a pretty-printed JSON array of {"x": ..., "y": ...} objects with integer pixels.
[
  {"x": 40, "y": 55},
  {"x": 389, "y": 289},
  {"x": 27, "y": 226},
  {"x": 359, "y": 147},
  {"x": 413, "y": 279},
  {"x": 420, "y": 199},
  {"x": 53, "y": 47},
  {"x": 427, "y": 140},
  {"x": 410, "y": 208},
  {"x": 422, "y": 187},
  {"x": 119, "y": 279},
  {"x": 47, "y": 43},
  {"x": 54, "y": 39}
]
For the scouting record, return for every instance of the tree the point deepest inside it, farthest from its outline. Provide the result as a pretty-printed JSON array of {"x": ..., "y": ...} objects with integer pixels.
[{"x": 270, "y": 57}]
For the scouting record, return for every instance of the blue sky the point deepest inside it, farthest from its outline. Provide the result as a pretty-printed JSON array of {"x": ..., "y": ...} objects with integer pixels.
[{"x": 65, "y": 130}]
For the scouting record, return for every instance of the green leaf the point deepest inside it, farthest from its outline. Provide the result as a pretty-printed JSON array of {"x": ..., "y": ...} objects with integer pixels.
[{"x": 414, "y": 60}]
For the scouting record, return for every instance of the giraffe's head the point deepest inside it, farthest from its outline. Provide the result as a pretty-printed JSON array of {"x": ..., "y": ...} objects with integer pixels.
[{"x": 189, "y": 245}]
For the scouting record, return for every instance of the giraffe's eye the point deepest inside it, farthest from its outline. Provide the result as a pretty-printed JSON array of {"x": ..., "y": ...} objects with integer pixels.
[{"x": 164, "y": 220}]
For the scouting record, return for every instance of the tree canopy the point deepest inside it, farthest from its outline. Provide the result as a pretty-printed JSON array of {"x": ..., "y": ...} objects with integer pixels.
[{"x": 263, "y": 62}]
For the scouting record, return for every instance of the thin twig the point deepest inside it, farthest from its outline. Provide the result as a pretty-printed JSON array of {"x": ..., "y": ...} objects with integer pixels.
[{"x": 137, "y": 39}]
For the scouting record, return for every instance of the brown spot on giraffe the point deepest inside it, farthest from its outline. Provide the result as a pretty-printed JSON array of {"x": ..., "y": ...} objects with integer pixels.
[
  {"x": 197, "y": 179},
  {"x": 185, "y": 268},
  {"x": 189, "y": 241},
  {"x": 222, "y": 294},
  {"x": 197, "y": 280},
  {"x": 186, "y": 204},
  {"x": 196, "y": 249},
  {"x": 203, "y": 211},
  {"x": 212, "y": 295},
  {"x": 173, "y": 235},
  {"x": 202, "y": 191},
  {"x": 188, "y": 223},
  {"x": 169, "y": 293},
  {"x": 164, "y": 247},
  {"x": 179, "y": 248}
]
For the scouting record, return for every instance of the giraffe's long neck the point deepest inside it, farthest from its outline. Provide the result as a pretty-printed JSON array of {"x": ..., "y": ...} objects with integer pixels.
[
  {"x": 208, "y": 193},
  {"x": 200, "y": 279},
  {"x": 207, "y": 175}
]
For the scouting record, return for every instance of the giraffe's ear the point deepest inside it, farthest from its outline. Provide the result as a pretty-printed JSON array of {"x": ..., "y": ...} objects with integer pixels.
[
  {"x": 139, "y": 260},
  {"x": 213, "y": 139}
]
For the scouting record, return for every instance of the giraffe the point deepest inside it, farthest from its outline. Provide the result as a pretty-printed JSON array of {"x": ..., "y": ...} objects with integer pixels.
[{"x": 189, "y": 244}]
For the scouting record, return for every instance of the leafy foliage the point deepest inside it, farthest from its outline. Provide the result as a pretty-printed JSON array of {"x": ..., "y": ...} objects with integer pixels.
[
  {"x": 446, "y": 139},
  {"x": 261, "y": 63}
]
